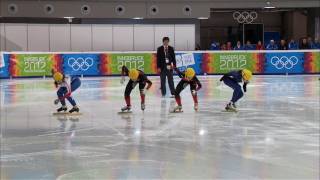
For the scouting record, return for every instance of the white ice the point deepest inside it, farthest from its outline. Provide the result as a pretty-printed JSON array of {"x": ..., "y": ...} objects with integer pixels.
[{"x": 275, "y": 134}]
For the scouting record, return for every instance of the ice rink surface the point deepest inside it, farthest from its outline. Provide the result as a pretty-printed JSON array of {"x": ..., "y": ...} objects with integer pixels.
[{"x": 275, "y": 134}]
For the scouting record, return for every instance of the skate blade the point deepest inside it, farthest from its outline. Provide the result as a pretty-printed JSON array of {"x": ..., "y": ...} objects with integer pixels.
[
  {"x": 66, "y": 114},
  {"x": 229, "y": 111},
  {"x": 176, "y": 111},
  {"x": 124, "y": 112}
]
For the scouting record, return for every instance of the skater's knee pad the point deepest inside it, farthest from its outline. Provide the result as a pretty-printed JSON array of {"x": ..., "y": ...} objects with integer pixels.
[
  {"x": 142, "y": 92},
  {"x": 193, "y": 92}
]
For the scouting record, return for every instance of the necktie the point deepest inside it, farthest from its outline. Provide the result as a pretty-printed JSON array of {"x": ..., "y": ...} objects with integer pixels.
[{"x": 166, "y": 51}]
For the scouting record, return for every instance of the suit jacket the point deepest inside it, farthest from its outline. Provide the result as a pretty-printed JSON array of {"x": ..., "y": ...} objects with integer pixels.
[{"x": 161, "y": 59}]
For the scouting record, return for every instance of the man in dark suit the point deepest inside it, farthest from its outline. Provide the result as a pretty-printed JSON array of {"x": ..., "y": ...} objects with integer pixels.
[{"x": 166, "y": 62}]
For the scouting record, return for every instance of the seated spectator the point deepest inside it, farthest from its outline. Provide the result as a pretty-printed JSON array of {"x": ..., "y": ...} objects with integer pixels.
[
  {"x": 229, "y": 45},
  {"x": 316, "y": 43},
  {"x": 310, "y": 43},
  {"x": 215, "y": 46},
  {"x": 283, "y": 45},
  {"x": 259, "y": 46},
  {"x": 293, "y": 45},
  {"x": 304, "y": 44},
  {"x": 272, "y": 45},
  {"x": 238, "y": 46},
  {"x": 198, "y": 47},
  {"x": 249, "y": 46},
  {"x": 224, "y": 47}
]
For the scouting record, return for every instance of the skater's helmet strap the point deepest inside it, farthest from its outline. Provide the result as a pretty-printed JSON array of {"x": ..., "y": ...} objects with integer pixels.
[
  {"x": 189, "y": 73},
  {"x": 246, "y": 74},
  {"x": 57, "y": 76},
  {"x": 133, "y": 74}
]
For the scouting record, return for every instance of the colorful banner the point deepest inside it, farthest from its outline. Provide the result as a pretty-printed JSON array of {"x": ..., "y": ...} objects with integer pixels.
[
  {"x": 312, "y": 62},
  {"x": 4, "y": 66},
  {"x": 284, "y": 62},
  {"x": 110, "y": 64},
  {"x": 186, "y": 60},
  {"x": 219, "y": 63},
  {"x": 262, "y": 62},
  {"x": 22, "y": 65},
  {"x": 81, "y": 64}
]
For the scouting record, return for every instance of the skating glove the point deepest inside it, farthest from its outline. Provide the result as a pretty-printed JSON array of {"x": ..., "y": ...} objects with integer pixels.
[
  {"x": 244, "y": 87},
  {"x": 56, "y": 101}
]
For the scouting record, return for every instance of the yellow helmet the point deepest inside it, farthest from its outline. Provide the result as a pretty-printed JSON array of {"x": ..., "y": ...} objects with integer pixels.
[
  {"x": 189, "y": 73},
  {"x": 133, "y": 74},
  {"x": 246, "y": 74},
  {"x": 57, "y": 76}
]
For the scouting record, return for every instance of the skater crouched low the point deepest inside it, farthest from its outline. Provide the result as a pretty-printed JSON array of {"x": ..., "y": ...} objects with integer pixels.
[
  {"x": 232, "y": 79},
  {"x": 136, "y": 77},
  {"x": 188, "y": 77},
  {"x": 64, "y": 91}
]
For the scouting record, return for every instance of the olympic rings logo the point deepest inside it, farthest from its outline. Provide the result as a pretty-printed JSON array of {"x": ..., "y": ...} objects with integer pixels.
[
  {"x": 284, "y": 62},
  {"x": 80, "y": 63},
  {"x": 245, "y": 16}
]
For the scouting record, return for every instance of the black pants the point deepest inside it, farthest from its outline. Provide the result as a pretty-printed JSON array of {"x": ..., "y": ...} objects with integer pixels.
[
  {"x": 130, "y": 86},
  {"x": 180, "y": 87},
  {"x": 165, "y": 73}
]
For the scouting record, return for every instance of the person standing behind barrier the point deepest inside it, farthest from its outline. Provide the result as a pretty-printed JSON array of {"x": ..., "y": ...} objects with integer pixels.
[
  {"x": 293, "y": 45},
  {"x": 272, "y": 45},
  {"x": 166, "y": 62},
  {"x": 259, "y": 46},
  {"x": 283, "y": 45},
  {"x": 238, "y": 46}
]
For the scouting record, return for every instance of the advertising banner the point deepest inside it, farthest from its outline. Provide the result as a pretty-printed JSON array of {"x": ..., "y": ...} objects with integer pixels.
[
  {"x": 110, "y": 64},
  {"x": 22, "y": 65},
  {"x": 284, "y": 62},
  {"x": 219, "y": 63},
  {"x": 185, "y": 60},
  {"x": 4, "y": 65},
  {"x": 312, "y": 62},
  {"x": 81, "y": 64},
  {"x": 265, "y": 62}
]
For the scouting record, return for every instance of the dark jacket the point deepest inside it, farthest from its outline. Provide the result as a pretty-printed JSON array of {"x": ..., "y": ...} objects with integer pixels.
[{"x": 161, "y": 59}]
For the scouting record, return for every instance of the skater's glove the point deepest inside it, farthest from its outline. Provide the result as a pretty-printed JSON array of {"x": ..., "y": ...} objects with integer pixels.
[
  {"x": 56, "y": 101},
  {"x": 244, "y": 87},
  {"x": 122, "y": 80}
]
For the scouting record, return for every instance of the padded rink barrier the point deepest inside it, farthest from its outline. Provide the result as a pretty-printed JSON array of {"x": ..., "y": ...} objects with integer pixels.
[{"x": 38, "y": 64}]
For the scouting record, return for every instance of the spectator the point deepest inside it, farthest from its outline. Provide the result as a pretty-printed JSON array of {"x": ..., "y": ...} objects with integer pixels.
[
  {"x": 198, "y": 48},
  {"x": 304, "y": 44},
  {"x": 272, "y": 45},
  {"x": 293, "y": 45},
  {"x": 283, "y": 45},
  {"x": 316, "y": 43},
  {"x": 259, "y": 46},
  {"x": 238, "y": 46},
  {"x": 229, "y": 45},
  {"x": 166, "y": 62},
  {"x": 224, "y": 47},
  {"x": 249, "y": 46},
  {"x": 215, "y": 46},
  {"x": 310, "y": 43}
]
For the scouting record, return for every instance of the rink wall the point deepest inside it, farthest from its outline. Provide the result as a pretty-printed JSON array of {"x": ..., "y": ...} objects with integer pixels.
[{"x": 35, "y": 64}]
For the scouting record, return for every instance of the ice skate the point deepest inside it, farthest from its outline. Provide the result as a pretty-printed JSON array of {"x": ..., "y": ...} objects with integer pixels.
[
  {"x": 231, "y": 107},
  {"x": 177, "y": 109},
  {"x": 62, "y": 108},
  {"x": 126, "y": 109},
  {"x": 74, "y": 109}
]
